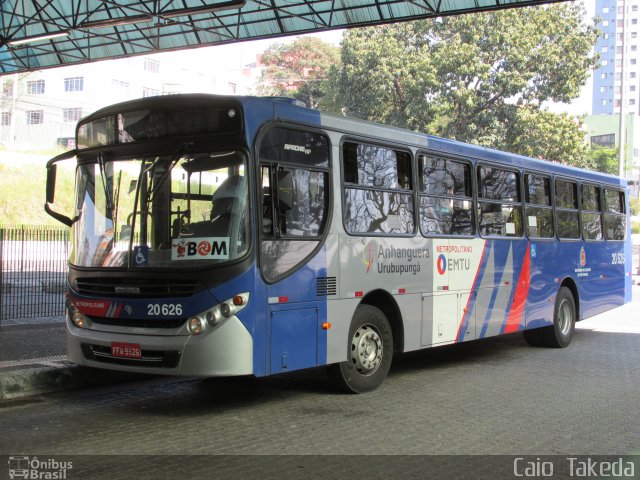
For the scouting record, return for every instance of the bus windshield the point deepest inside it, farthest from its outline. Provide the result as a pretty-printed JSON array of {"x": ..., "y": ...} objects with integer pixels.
[{"x": 163, "y": 211}]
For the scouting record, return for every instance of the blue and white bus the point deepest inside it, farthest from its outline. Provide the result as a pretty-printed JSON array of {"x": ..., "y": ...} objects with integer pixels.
[{"x": 216, "y": 235}]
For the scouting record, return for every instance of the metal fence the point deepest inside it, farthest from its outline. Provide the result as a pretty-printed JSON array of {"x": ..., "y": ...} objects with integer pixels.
[{"x": 33, "y": 263}]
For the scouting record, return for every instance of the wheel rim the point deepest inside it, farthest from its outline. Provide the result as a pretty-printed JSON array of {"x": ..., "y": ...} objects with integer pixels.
[
  {"x": 565, "y": 317},
  {"x": 366, "y": 350}
]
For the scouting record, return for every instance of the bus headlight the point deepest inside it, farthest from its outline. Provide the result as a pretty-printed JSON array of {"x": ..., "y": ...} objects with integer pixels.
[
  {"x": 78, "y": 319},
  {"x": 195, "y": 325},
  {"x": 75, "y": 315},
  {"x": 227, "y": 309}
]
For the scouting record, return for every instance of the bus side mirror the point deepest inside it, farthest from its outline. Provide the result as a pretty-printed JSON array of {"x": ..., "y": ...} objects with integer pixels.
[
  {"x": 52, "y": 176},
  {"x": 285, "y": 190},
  {"x": 51, "y": 183}
]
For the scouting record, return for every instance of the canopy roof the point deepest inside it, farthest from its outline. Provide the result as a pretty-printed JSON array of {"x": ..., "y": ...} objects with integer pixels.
[{"x": 36, "y": 34}]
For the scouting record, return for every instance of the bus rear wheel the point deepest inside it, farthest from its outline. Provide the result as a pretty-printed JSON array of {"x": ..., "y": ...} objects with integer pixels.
[
  {"x": 369, "y": 352},
  {"x": 559, "y": 334}
]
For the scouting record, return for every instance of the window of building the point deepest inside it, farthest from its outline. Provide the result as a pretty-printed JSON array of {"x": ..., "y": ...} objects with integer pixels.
[
  {"x": 605, "y": 10},
  {"x": 499, "y": 207},
  {"x": 605, "y": 49},
  {"x": 634, "y": 8},
  {"x": 122, "y": 88},
  {"x": 538, "y": 210},
  {"x": 632, "y": 74},
  {"x": 620, "y": 24},
  {"x": 603, "y": 76},
  {"x": 74, "y": 84},
  {"x": 616, "y": 104},
  {"x": 34, "y": 117},
  {"x": 618, "y": 50},
  {"x": 378, "y": 194},
  {"x": 35, "y": 87},
  {"x": 620, "y": 10},
  {"x": 7, "y": 89},
  {"x": 5, "y": 119},
  {"x": 618, "y": 90},
  {"x": 590, "y": 212},
  {"x": 446, "y": 198},
  {"x": 567, "y": 209},
  {"x": 632, "y": 101},
  {"x": 71, "y": 114},
  {"x": 604, "y": 63},
  {"x": 620, "y": 37},
  {"x": 152, "y": 66},
  {"x": 605, "y": 23},
  {"x": 603, "y": 103},
  {"x": 634, "y": 21},
  {"x": 608, "y": 140},
  {"x": 150, "y": 92}
]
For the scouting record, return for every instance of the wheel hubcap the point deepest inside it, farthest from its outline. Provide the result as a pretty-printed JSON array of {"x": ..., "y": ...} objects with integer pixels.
[
  {"x": 366, "y": 350},
  {"x": 565, "y": 317}
]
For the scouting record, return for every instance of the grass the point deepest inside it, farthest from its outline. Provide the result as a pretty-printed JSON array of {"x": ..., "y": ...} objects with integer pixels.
[{"x": 22, "y": 193}]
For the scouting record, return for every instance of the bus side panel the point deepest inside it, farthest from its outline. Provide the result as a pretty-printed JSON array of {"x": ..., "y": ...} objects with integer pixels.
[
  {"x": 546, "y": 267},
  {"x": 296, "y": 308},
  {"x": 601, "y": 273}
]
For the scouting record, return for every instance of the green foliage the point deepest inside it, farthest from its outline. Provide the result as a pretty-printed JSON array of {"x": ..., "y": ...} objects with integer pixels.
[
  {"x": 604, "y": 159},
  {"x": 634, "y": 204},
  {"x": 300, "y": 70},
  {"x": 635, "y": 227},
  {"x": 22, "y": 195},
  {"x": 478, "y": 78}
]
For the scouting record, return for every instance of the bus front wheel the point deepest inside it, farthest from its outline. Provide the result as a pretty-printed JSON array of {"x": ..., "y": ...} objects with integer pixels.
[
  {"x": 369, "y": 352},
  {"x": 559, "y": 334}
]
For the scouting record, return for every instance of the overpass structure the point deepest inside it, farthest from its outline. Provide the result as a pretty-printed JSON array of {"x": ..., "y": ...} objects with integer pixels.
[{"x": 37, "y": 34}]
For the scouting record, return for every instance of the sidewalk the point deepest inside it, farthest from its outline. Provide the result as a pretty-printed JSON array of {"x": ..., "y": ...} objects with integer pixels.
[{"x": 33, "y": 360}]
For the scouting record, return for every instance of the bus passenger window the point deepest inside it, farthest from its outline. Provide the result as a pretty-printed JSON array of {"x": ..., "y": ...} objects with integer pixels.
[
  {"x": 446, "y": 203},
  {"x": 590, "y": 212},
  {"x": 615, "y": 220},
  {"x": 377, "y": 193},
  {"x": 538, "y": 210},
  {"x": 566, "y": 209},
  {"x": 499, "y": 208}
]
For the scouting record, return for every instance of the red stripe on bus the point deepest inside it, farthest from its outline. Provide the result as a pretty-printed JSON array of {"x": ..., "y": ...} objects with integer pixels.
[{"x": 520, "y": 297}]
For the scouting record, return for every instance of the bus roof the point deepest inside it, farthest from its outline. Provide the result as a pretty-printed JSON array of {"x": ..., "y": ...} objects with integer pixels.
[{"x": 289, "y": 110}]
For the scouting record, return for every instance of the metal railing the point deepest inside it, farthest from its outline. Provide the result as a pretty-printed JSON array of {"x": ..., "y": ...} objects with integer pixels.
[{"x": 33, "y": 261}]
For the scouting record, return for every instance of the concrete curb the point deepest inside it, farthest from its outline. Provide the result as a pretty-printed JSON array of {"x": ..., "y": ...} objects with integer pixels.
[{"x": 17, "y": 384}]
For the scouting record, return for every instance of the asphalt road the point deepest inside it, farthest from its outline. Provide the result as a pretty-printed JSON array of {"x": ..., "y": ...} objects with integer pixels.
[{"x": 491, "y": 397}]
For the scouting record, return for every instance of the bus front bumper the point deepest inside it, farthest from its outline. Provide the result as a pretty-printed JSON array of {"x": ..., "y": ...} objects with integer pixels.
[{"x": 226, "y": 350}]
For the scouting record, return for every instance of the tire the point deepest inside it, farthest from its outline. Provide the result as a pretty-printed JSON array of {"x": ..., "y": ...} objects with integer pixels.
[
  {"x": 369, "y": 352},
  {"x": 560, "y": 334}
]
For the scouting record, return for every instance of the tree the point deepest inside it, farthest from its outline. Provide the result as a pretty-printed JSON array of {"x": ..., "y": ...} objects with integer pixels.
[
  {"x": 604, "y": 159},
  {"x": 299, "y": 70},
  {"x": 479, "y": 78}
]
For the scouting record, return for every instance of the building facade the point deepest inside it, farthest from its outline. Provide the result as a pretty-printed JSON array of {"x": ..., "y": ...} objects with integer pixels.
[
  {"x": 39, "y": 110},
  {"x": 616, "y": 83}
]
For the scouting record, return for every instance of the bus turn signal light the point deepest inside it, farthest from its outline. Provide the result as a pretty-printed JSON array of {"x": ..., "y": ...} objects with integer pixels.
[{"x": 326, "y": 325}]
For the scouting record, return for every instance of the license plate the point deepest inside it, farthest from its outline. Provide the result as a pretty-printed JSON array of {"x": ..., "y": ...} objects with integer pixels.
[{"x": 126, "y": 350}]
